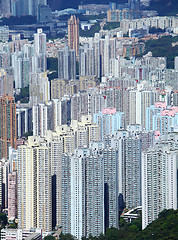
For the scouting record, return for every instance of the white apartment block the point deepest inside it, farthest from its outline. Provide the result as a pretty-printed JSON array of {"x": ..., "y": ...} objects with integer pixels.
[
  {"x": 159, "y": 178},
  {"x": 157, "y": 22}
]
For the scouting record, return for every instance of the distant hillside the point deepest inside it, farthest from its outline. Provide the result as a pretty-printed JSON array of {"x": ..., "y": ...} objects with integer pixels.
[
  {"x": 163, "y": 47},
  {"x": 165, "y": 227},
  {"x": 62, "y": 4},
  {"x": 165, "y": 7}
]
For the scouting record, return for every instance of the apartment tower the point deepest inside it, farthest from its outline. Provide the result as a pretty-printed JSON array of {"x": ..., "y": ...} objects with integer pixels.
[
  {"x": 8, "y": 127},
  {"x": 73, "y": 33}
]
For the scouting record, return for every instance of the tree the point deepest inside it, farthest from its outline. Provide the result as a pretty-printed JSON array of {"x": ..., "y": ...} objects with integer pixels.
[
  {"x": 67, "y": 236},
  {"x": 52, "y": 65},
  {"x": 49, "y": 238},
  {"x": 3, "y": 220},
  {"x": 23, "y": 96}
]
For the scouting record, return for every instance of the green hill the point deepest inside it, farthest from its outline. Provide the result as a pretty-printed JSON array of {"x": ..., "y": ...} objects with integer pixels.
[
  {"x": 163, "y": 47},
  {"x": 164, "y": 228},
  {"x": 62, "y": 4},
  {"x": 164, "y": 7}
]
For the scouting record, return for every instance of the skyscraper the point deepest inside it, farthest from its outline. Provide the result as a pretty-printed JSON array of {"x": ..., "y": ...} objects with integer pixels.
[
  {"x": 40, "y": 49},
  {"x": 5, "y": 7},
  {"x": 4, "y": 168},
  {"x": 12, "y": 195},
  {"x": 6, "y": 83},
  {"x": 133, "y": 171},
  {"x": 25, "y": 7},
  {"x": 8, "y": 127},
  {"x": 90, "y": 190},
  {"x": 159, "y": 178},
  {"x": 34, "y": 186},
  {"x": 66, "y": 64},
  {"x": 109, "y": 121},
  {"x": 73, "y": 34}
]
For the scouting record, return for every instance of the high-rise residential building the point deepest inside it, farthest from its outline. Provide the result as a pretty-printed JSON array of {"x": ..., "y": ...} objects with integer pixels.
[
  {"x": 174, "y": 98},
  {"x": 6, "y": 83},
  {"x": 43, "y": 155},
  {"x": 79, "y": 106},
  {"x": 109, "y": 121},
  {"x": 8, "y": 128},
  {"x": 108, "y": 51},
  {"x": 24, "y": 120},
  {"x": 73, "y": 34},
  {"x": 40, "y": 49},
  {"x": 12, "y": 196},
  {"x": 88, "y": 82},
  {"x": 138, "y": 103},
  {"x": 134, "y": 4},
  {"x": 133, "y": 171},
  {"x": 39, "y": 88},
  {"x": 5, "y": 8},
  {"x": 67, "y": 63},
  {"x": 159, "y": 178},
  {"x": 25, "y": 7},
  {"x": 176, "y": 63},
  {"x": 118, "y": 15},
  {"x": 110, "y": 157},
  {"x": 61, "y": 88},
  {"x": 161, "y": 118},
  {"x": 62, "y": 111},
  {"x": 89, "y": 60},
  {"x": 5, "y": 48},
  {"x": 21, "y": 67},
  {"x": 34, "y": 186},
  {"x": 134, "y": 107},
  {"x": 5, "y": 167},
  {"x": 43, "y": 118},
  {"x": 129, "y": 144},
  {"x": 90, "y": 190},
  {"x": 95, "y": 213},
  {"x": 13, "y": 159},
  {"x": 157, "y": 22}
]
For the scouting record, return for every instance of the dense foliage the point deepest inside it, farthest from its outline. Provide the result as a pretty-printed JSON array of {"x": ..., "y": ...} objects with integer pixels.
[
  {"x": 165, "y": 227},
  {"x": 23, "y": 20},
  {"x": 111, "y": 25},
  {"x": 154, "y": 30},
  {"x": 90, "y": 17},
  {"x": 62, "y": 4},
  {"x": 163, "y": 48},
  {"x": 23, "y": 97},
  {"x": 58, "y": 35},
  {"x": 164, "y": 7},
  {"x": 3, "y": 220},
  {"x": 52, "y": 65},
  {"x": 90, "y": 33}
]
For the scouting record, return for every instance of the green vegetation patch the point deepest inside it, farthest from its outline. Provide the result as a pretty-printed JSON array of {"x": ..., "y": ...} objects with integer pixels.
[
  {"x": 23, "y": 97},
  {"x": 165, "y": 227},
  {"x": 52, "y": 66},
  {"x": 164, "y": 7},
  {"x": 90, "y": 33},
  {"x": 91, "y": 17},
  {"x": 23, "y": 20},
  {"x": 162, "y": 47},
  {"x": 111, "y": 25}
]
